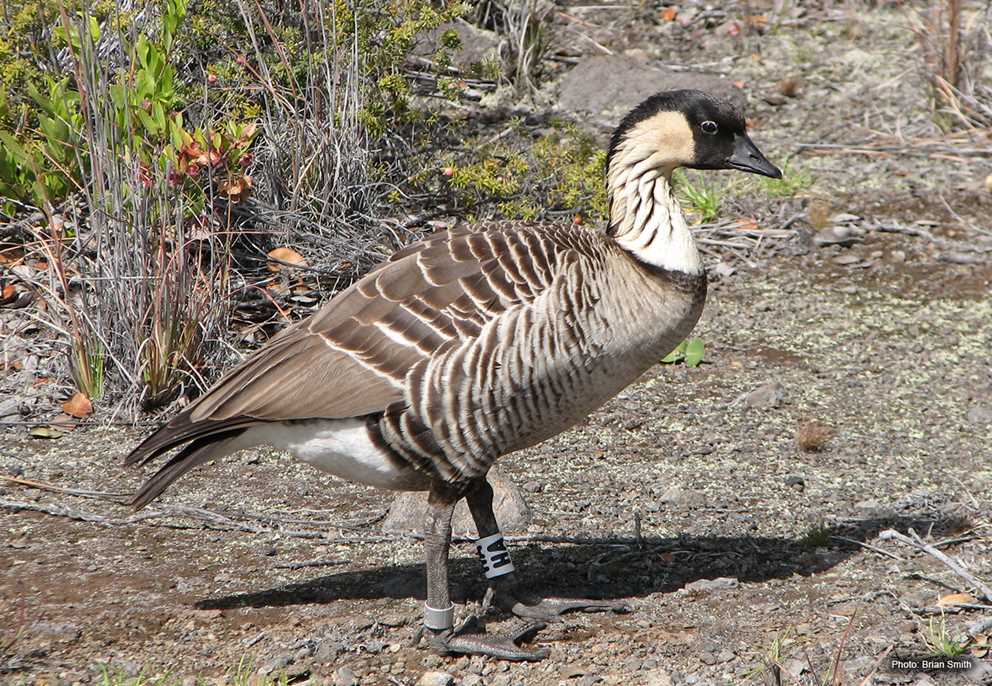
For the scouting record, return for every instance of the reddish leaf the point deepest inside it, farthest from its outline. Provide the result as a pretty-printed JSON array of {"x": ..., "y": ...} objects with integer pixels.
[
  {"x": 747, "y": 224},
  {"x": 952, "y": 599},
  {"x": 282, "y": 257},
  {"x": 8, "y": 294},
  {"x": 669, "y": 13},
  {"x": 78, "y": 406}
]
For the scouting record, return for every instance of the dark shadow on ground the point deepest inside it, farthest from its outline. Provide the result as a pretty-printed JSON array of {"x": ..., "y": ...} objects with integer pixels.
[{"x": 602, "y": 569}]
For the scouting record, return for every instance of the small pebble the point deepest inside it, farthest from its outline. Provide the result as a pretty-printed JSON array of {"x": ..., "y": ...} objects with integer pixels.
[
  {"x": 768, "y": 395},
  {"x": 708, "y": 585},
  {"x": 344, "y": 677},
  {"x": 847, "y": 259},
  {"x": 436, "y": 679},
  {"x": 980, "y": 414}
]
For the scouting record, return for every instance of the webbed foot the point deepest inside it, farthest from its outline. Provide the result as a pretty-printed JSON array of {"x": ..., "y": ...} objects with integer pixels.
[
  {"x": 547, "y": 609},
  {"x": 471, "y": 639}
]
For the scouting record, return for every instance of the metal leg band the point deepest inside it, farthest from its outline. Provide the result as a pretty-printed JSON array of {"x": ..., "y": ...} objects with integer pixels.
[
  {"x": 494, "y": 556},
  {"x": 439, "y": 620}
]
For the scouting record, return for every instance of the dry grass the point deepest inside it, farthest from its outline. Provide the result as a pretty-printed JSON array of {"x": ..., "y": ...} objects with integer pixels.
[
  {"x": 956, "y": 46},
  {"x": 525, "y": 29},
  {"x": 812, "y": 437}
]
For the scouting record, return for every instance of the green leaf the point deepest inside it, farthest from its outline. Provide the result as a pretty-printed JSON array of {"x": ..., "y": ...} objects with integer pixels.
[
  {"x": 19, "y": 153},
  {"x": 694, "y": 352},
  {"x": 147, "y": 121},
  {"x": 159, "y": 113},
  {"x": 143, "y": 49},
  {"x": 176, "y": 136},
  {"x": 676, "y": 355},
  {"x": 94, "y": 29}
]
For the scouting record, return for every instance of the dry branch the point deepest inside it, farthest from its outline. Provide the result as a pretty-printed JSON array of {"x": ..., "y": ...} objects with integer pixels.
[{"x": 952, "y": 564}]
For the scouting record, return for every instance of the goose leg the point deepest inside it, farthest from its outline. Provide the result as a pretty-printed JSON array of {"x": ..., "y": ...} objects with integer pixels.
[
  {"x": 439, "y": 610},
  {"x": 504, "y": 591}
]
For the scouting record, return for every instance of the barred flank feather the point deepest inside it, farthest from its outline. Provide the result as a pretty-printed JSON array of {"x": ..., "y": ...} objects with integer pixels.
[{"x": 473, "y": 343}]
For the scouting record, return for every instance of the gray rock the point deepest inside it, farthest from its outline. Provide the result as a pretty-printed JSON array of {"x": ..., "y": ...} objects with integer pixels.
[
  {"x": 797, "y": 481},
  {"x": 472, "y": 680},
  {"x": 769, "y": 394},
  {"x": 55, "y": 630},
  {"x": 10, "y": 407},
  {"x": 679, "y": 497},
  {"x": 436, "y": 679},
  {"x": 344, "y": 677},
  {"x": 610, "y": 85},
  {"x": 478, "y": 45},
  {"x": 846, "y": 259},
  {"x": 835, "y": 235},
  {"x": 709, "y": 585},
  {"x": 978, "y": 414},
  {"x": 657, "y": 677},
  {"x": 328, "y": 651},
  {"x": 716, "y": 657},
  {"x": 796, "y": 667},
  {"x": 409, "y": 510},
  {"x": 275, "y": 664}
]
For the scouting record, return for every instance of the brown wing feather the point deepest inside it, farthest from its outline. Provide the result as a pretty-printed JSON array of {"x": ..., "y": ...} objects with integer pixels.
[{"x": 350, "y": 358}]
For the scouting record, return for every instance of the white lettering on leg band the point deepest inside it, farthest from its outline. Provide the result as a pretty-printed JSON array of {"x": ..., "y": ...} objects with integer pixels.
[
  {"x": 439, "y": 620},
  {"x": 494, "y": 555}
]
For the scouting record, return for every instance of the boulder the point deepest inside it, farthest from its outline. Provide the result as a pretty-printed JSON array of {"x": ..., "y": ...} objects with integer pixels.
[
  {"x": 609, "y": 86},
  {"x": 409, "y": 510},
  {"x": 478, "y": 45}
]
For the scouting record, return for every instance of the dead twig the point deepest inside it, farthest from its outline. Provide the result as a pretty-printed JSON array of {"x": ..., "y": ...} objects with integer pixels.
[
  {"x": 56, "y": 511},
  {"x": 949, "y": 562},
  {"x": 45, "y": 486},
  {"x": 311, "y": 563},
  {"x": 868, "y": 546}
]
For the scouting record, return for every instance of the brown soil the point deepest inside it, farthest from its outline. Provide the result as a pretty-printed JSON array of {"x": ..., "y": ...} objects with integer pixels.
[{"x": 892, "y": 352}]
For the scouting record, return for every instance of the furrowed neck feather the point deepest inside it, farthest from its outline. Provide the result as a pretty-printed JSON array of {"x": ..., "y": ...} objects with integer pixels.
[{"x": 645, "y": 217}]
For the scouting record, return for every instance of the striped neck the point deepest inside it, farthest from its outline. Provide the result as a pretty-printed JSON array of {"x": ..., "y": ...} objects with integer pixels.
[{"x": 645, "y": 218}]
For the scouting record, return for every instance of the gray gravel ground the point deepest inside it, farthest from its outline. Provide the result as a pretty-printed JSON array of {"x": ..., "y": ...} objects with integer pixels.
[
  {"x": 711, "y": 469},
  {"x": 745, "y": 559}
]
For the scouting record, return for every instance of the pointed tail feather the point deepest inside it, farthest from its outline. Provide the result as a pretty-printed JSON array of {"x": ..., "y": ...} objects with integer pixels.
[{"x": 196, "y": 453}]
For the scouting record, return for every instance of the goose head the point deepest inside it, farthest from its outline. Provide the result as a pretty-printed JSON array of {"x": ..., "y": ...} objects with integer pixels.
[{"x": 684, "y": 128}]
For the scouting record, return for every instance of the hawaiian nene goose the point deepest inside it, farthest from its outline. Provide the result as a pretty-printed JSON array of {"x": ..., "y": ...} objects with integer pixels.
[{"x": 472, "y": 344}]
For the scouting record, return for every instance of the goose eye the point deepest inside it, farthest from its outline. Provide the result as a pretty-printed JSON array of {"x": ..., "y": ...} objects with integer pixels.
[{"x": 708, "y": 127}]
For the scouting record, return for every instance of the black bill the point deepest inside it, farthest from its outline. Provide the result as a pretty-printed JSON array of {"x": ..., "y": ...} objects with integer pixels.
[{"x": 748, "y": 158}]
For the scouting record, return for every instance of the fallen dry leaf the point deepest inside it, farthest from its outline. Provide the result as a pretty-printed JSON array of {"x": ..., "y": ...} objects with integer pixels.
[
  {"x": 747, "y": 224},
  {"x": 952, "y": 599},
  {"x": 46, "y": 432},
  {"x": 758, "y": 22},
  {"x": 78, "y": 406},
  {"x": 669, "y": 13},
  {"x": 11, "y": 256},
  {"x": 8, "y": 294},
  {"x": 282, "y": 257}
]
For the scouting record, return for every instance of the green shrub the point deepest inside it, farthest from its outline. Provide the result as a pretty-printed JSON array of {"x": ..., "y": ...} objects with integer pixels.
[{"x": 562, "y": 174}]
